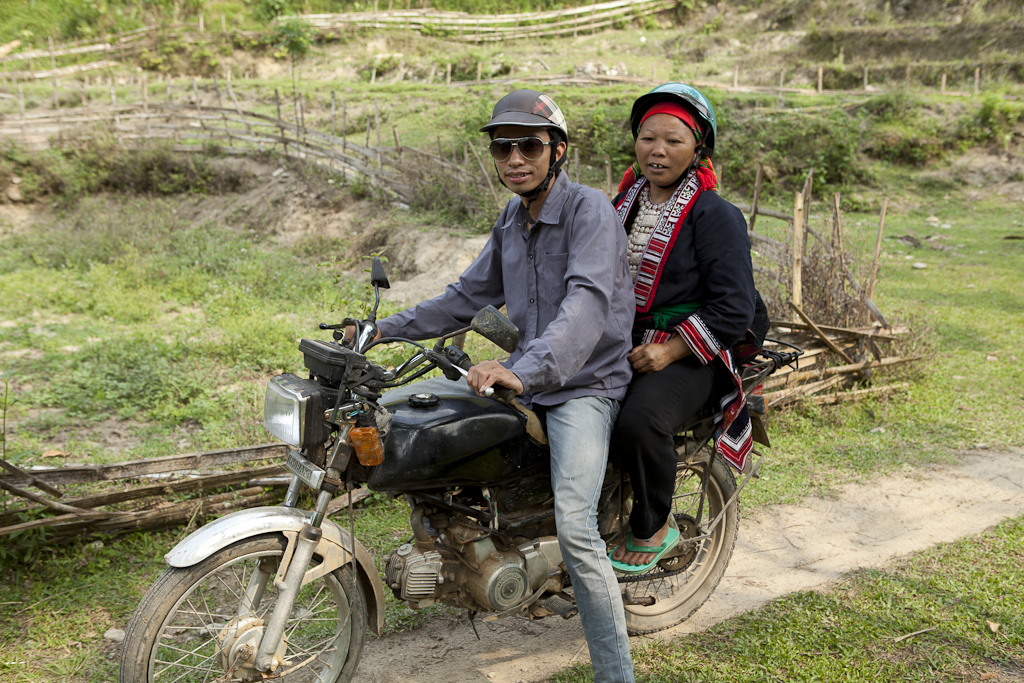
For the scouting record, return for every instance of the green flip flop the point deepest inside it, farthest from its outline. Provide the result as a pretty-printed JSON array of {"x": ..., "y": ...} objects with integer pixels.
[{"x": 670, "y": 541}]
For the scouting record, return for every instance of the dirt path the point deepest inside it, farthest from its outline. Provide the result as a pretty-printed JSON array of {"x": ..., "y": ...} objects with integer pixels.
[{"x": 783, "y": 549}]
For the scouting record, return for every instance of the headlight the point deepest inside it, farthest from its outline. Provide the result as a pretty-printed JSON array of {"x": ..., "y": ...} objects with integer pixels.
[{"x": 293, "y": 411}]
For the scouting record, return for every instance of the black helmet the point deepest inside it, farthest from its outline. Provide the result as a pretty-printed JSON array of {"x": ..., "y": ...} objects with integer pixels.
[
  {"x": 691, "y": 98},
  {"x": 530, "y": 108}
]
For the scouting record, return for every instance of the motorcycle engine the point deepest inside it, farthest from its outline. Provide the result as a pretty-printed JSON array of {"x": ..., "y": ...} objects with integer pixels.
[{"x": 483, "y": 579}]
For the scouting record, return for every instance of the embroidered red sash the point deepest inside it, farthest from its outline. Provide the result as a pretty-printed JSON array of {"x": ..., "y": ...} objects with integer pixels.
[{"x": 652, "y": 262}]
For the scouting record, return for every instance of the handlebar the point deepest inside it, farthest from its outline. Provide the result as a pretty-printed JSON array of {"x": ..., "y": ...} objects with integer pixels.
[{"x": 461, "y": 360}]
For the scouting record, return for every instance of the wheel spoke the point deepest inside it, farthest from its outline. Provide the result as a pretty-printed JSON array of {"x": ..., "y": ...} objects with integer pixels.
[{"x": 195, "y": 604}]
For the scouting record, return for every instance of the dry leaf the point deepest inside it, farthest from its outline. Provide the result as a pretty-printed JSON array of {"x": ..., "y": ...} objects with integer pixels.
[
  {"x": 992, "y": 626},
  {"x": 988, "y": 676},
  {"x": 53, "y": 453}
]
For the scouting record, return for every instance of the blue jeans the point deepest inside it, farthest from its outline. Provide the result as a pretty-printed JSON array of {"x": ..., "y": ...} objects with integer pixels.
[{"x": 578, "y": 432}]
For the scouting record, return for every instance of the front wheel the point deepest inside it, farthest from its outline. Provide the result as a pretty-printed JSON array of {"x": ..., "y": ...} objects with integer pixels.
[
  {"x": 203, "y": 623},
  {"x": 679, "y": 585}
]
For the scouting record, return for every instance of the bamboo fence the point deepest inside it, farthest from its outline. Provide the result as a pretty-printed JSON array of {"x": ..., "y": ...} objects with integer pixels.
[
  {"x": 395, "y": 170},
  {"x": 113, "y": 52},
  {"x": 480, "y": 28},
  {"x": 148, "y": 494}
]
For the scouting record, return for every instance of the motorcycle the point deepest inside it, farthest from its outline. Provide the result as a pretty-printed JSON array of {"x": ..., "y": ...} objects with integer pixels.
[{"x": 281, "y": 592}]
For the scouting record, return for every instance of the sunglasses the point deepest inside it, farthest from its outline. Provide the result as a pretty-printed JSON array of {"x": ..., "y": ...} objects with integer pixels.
[{"x": 531, "y": 148}]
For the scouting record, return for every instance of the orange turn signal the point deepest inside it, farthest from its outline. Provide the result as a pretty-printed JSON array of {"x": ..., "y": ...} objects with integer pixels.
[{"x": 366, "y": 442}]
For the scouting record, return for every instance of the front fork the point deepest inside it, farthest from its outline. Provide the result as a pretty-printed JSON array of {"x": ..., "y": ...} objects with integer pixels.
[{"x": 289, "y": 576}]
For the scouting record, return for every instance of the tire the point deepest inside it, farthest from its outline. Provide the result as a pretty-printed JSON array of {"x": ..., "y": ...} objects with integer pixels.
[
  {"x": 171, "y": 636},
  {"x": 678, "y": 586}
]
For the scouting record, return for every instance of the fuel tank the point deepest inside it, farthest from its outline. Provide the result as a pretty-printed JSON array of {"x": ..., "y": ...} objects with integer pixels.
[{"x": 442, "y": 434}]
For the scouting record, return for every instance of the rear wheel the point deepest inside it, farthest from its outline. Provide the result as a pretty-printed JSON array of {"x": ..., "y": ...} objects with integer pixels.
[
  {"x": 189, "y": 627},
  {"x": 682, "y": 582}
]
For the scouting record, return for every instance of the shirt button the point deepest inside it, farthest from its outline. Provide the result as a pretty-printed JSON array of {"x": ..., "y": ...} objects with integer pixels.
[
  {"x": 531, "y": 301},
  {"x": 531, "y": 257}
]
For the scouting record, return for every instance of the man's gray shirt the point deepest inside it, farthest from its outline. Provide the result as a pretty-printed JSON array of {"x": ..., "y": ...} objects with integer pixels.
[{"x": 565, "y": 284}]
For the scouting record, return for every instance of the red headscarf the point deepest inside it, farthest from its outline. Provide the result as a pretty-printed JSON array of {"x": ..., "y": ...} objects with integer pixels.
[{"x": 705, "y": 171}]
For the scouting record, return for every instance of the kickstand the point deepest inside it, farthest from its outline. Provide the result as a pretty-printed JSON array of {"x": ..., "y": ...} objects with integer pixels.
[{"x": 471, "y": 614}]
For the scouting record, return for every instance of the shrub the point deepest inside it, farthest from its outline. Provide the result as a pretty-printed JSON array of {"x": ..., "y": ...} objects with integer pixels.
[
  {"x": 788, "y": 146},
  {"x": 992, "y": 122}
]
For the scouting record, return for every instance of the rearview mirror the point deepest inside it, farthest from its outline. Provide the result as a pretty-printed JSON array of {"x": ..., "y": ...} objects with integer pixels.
[
  {"x": 378, "y": 278},
  {"x": 492, "y": 325}
]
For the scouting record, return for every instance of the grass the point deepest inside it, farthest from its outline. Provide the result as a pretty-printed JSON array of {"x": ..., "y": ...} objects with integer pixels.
[{"x": 961, "y": 600}]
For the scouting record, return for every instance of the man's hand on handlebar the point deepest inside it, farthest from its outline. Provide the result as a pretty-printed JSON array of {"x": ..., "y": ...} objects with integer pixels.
[
  {"x": 489, "y": 373},
  {"x": 350, "y": 332}
]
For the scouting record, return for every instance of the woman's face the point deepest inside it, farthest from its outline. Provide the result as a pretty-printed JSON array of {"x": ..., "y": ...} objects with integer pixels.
[{"x": 665, "y": 147}]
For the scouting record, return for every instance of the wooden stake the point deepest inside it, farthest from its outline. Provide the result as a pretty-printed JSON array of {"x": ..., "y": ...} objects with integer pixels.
[
  {"x": 821, "y": 77},
  {"x": 479, "y": 70},
  {"x": 344, "y": 125},
  {"x": 280, "y": 127},
  {"x": 870, "y": 291},
  {"x": 376, "y": 118},
  {"x": 796, "y": 247},
  {"x": 837, "y": 233},
  {"x": 430, "y": 78},
  {"x": 942, "y": 88},
  {"x": 53, "y": 60},
  {"x": 807, "y": 199},
  {"x": 865, "y": 76},
  {"x": 757, "y": 194},
  {"x": 977, "y": 79},
  {"x": 448, "y": 75},
  {"x": 487, "y": 176},
  {"x": 608, "y": 174},
  {"x": 195, "y": 93},
  {"x": 398, "y": 144}
]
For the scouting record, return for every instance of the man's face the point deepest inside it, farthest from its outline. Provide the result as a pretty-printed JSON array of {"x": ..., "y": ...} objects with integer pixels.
[{"x": 519, "y": 173}]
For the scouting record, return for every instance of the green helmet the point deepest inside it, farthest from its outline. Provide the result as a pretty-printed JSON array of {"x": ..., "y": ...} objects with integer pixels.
[{"x": 690, "y": 97}]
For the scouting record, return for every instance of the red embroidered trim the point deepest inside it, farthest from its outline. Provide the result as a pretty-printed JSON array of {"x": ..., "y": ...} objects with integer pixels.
[{"x": 652, "y": 262}]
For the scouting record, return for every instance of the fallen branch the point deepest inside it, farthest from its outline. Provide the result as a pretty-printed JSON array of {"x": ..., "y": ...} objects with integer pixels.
[
  {"x": 792, "y": 377},
  {"x": 817, "y": 331},
  {"x": 46, "y": 502},
  {"x": 848, "y": 395},
  {"x": 42, "y": 485}
]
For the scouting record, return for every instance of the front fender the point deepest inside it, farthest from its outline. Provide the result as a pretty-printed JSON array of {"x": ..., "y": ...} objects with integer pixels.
[{"x": 243, "y": 524}]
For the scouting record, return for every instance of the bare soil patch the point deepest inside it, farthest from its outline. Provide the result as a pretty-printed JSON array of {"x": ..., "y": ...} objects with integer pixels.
[{"x": 781, "y": 549}]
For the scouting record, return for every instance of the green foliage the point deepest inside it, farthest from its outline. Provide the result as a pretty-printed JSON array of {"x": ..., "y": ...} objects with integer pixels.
[
  {"x": 993, "y": 122},
  {"x": 268, "y": 10},
  {"x": 98, "y": 164},
  {"x": 79, "y": 19},
  {"x": 454, "y": 203},
  {"x": 788, "y": 146},
  {"x": 896, "y": 106},
  {"x": 599, "y": 134},
  {"x": 294, "y": 37}
]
